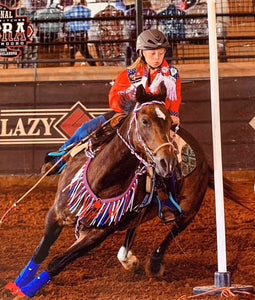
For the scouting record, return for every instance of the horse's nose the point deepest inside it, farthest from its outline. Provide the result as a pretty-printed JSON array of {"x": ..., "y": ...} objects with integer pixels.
[{"x": 167, "y": 166}]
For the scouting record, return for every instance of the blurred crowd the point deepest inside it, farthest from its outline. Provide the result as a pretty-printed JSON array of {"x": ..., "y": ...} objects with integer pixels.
[{"x": 108, "y": 35}]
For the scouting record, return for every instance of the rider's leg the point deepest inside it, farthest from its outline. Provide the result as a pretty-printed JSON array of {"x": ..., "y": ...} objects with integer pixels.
[{"x": 85, "y": 130}]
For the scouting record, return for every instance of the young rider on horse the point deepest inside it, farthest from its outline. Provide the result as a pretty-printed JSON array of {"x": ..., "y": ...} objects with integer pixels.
[{"x": 150, "y": 69}]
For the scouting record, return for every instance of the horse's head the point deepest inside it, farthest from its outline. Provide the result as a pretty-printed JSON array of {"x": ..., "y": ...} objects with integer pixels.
[{"x": 149, "y": 131}]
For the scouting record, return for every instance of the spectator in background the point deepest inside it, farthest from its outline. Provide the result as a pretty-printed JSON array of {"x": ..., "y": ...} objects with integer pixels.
[
  {"x": 173, "y": 28},
  {"x": 120, "y": 5},
  {"x": 38, "y": 4},
  {"x": 77, "y": 31},
  {"x": 110, "y": 30},
  {"x": 49, "y": 32},
  {"x": 182, "y": 5},
  {"x": 23, "y": 7},
  {"x": 148, "y": 24},
  {"x": 9, "y": 3},
  {"x": 197, "y": 27},
  {"x": 66, "y": 3}
]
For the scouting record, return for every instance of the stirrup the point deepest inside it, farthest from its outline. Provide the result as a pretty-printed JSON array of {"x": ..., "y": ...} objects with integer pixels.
[
  {"x": 61, "y": 168},
  {"x": 56, "y": 154}
]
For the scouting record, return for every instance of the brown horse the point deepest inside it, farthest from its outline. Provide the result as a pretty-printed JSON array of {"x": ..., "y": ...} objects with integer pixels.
[{"x": 113, "y": 188}]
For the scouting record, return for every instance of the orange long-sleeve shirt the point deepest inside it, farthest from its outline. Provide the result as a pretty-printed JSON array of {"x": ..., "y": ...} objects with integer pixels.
[{"x": 134, "y": 77}]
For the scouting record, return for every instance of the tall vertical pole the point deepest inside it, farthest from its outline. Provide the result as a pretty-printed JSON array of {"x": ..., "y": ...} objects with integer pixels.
[
  {"x": 222, "y": 278},
  {"x": 139, "y": 17}
]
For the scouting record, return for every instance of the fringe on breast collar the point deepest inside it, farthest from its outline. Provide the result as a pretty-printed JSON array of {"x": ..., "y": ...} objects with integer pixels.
[{"x": 93, "y": 210}]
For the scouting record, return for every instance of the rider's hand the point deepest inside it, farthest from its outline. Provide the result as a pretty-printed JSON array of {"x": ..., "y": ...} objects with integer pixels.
[{"x": 176, "y": 120}]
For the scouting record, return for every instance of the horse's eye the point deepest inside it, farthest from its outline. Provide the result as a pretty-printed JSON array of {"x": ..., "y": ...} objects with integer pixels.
[{"x": 145, "y": 122}]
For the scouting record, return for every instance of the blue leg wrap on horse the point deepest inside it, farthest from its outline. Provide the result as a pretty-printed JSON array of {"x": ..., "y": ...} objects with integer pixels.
[
  {"x": 28, "y": 274},
  {"x": 85, "y": 130},
  {"x": 34, "y": 286}
]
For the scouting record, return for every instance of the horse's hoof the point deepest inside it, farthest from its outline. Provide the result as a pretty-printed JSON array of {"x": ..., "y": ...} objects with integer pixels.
[
  {"x": 131, "y": 264},
  {"x": 129, "y": 261},
  {"x": 15, "y": 291},
  {"x": 154, "y": 268},
  {"x": 20, "y": 296},
  {"x": 12, "y": 288}
]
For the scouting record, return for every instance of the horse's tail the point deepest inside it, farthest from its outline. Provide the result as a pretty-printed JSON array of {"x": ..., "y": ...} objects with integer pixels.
[{"x": 229, "y": 191}]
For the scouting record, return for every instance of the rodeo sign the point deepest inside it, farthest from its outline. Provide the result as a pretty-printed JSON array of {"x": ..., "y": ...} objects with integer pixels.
[{"x": 15, "y": 32}]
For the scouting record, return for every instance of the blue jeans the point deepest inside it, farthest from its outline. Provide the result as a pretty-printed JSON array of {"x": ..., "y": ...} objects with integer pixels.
[{"x": 85, "y": 130}]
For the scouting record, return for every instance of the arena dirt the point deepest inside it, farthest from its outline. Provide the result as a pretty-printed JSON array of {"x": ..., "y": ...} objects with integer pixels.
[{"x": 191, "y": 260}]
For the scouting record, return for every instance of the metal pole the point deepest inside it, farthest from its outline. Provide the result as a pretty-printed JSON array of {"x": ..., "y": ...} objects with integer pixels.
[
  {"x": 139, "y": 17},
  {"x": 222, "y": 278}
]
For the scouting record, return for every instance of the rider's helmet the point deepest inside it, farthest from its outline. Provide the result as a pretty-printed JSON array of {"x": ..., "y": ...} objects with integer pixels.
[{"x": 151, "y": 39}]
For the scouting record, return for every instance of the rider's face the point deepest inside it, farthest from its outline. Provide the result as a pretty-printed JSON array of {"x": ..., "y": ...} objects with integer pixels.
[{"x": 154, "y": 58}]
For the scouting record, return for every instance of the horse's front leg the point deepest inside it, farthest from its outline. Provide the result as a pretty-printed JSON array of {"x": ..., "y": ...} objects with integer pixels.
[
  {"x": 125, "y": 255},
  {"x": 52, "y": 232},
  {"x": 88, "y": 240}
]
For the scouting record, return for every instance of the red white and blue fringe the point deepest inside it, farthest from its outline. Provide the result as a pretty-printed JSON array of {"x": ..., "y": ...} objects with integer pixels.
[{"x": 94, "y": 210}]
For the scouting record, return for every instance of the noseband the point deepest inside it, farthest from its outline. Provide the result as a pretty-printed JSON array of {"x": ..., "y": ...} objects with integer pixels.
[
  {"x": 161, "y": 146},
  {"x": 151, "y": 153}
]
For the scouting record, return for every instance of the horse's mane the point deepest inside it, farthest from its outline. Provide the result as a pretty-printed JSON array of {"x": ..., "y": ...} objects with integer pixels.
[
  {"x": 104, "y": 134},
  {"x": 142, "y": 96}
]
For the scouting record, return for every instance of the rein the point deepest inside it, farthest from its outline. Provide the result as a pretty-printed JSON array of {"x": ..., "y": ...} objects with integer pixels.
[{"x": 132, "y": 150}]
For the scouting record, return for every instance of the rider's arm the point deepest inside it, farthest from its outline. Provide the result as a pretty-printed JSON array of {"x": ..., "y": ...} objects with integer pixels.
[{"x": 119, "y": 89}]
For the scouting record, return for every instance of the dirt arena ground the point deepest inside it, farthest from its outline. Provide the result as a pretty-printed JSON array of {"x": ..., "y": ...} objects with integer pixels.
[{"x": 191, "y": 260}]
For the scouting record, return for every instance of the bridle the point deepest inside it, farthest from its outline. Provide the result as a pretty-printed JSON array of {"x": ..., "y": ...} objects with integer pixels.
[{"x": 151, "y": 153}]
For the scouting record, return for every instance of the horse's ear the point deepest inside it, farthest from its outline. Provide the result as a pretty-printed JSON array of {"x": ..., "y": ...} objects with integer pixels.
[
  {"x": 140, "y": 94},
  {"x": 162, "y": 91}
]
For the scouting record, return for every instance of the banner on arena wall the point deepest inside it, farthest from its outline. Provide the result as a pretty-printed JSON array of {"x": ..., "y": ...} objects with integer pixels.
[
  {"x": 43, "y": 126},
  {"x": 16, "y": 32}
]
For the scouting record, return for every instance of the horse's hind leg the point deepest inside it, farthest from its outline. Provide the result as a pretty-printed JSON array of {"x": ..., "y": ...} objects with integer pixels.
[
  {"x": 87, "y": 241},
  {"x": 52, "y": 232}
]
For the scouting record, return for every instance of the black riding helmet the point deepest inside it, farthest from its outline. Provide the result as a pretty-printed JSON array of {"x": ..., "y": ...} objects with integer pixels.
[{"x": 151, "y": 39}]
